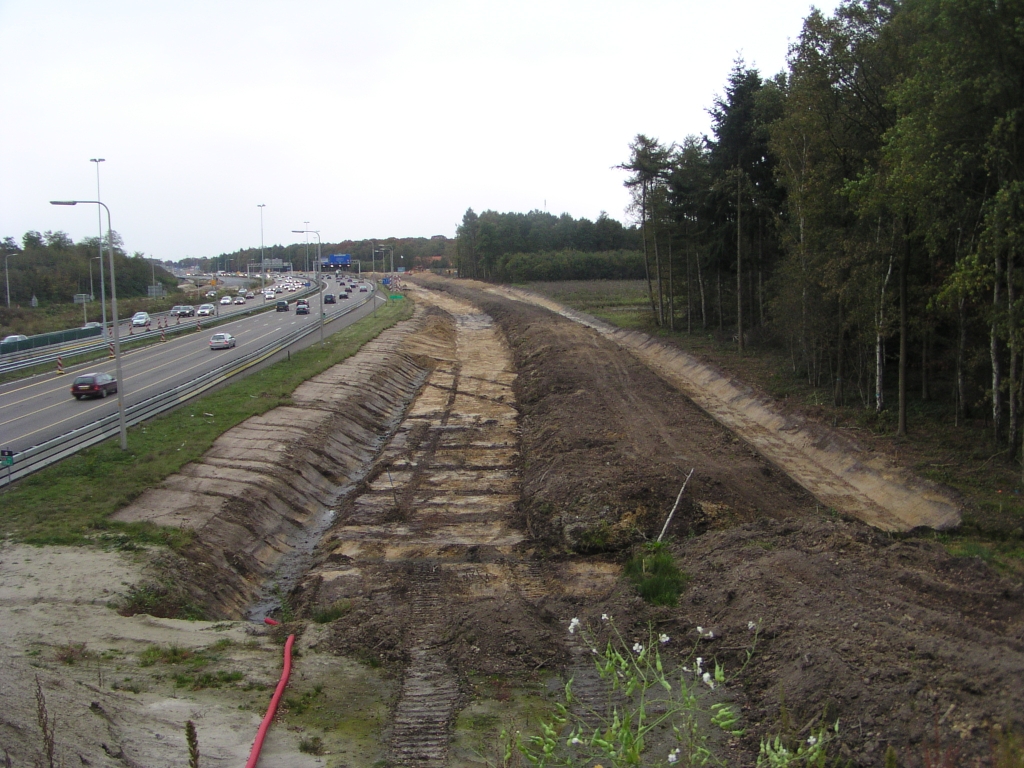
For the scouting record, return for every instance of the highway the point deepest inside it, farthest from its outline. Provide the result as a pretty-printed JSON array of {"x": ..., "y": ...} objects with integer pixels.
[{"x": 41, "y": 408}]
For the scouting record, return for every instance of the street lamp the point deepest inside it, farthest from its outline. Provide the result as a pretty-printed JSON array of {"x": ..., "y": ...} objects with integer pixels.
[
  {"x": 92, "y": 293},
  {"x": 113, "y": 310},
  {"x": 316, "y": 276},
  {"x": 307, "y": 246},
  {"x": 99, "y": 220},
  {"x": 7, "y": 278},
  {"x": 263, "y": 266}
]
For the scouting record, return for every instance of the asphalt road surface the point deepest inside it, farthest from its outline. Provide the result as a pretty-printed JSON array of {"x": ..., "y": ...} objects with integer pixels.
[{"x": 41, "y": 408}]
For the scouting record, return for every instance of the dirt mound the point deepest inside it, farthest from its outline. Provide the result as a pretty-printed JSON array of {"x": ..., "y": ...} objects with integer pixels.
[
  {"x": 894, "y": 638},
  {"x": 607, "y": 444}
]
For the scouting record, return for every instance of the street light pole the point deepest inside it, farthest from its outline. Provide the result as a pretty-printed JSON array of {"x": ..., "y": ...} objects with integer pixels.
[
  {"x": 113, "y": 310},
  {"x": 7, "y": 278},
  {"x": 307, "y": 247},
  {"x": 316, "y": 276},
  {"x": 263, "y": 265},
  {"x": 99, "y": 219}
]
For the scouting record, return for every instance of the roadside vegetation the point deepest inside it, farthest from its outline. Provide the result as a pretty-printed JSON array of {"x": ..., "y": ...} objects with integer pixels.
[
  {"x": 69, "y": 503},
  {"x": 963, "y": 456}
]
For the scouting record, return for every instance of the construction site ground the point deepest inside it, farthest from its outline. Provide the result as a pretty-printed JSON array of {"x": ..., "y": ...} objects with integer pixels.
[{"x": 430, "y": 516}]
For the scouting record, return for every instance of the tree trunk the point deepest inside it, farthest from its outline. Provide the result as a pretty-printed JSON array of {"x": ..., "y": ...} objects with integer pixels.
[
  {"x": 703, "y": 300},
  {"x": 739, "y": 269},
  {"x": 760, "y": 273},
  {"x": 961, "y": 351},
  {"x": 994, "y": 349},
  {"x": 880, "y": 342},
  {"x": 901, "y": 428},
  {"x": 689, "y": 291},
  {"x": 671, "y": 290},
  {"x": 643, "y": 237},
  {"x": 721, "y": 320},
  {"x": 925, "y": 337},
  {"x": 1014, "y": 355},
  {"x": 837, "y": 394},
  {"x": 661, "y": 289}
]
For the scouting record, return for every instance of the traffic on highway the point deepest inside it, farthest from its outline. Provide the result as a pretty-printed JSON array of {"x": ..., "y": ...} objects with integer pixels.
[{"x": 41, "y": 408}]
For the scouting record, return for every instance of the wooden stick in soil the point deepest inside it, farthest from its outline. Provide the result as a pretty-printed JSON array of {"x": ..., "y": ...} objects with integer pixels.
[{"x": 675, "y": 506}]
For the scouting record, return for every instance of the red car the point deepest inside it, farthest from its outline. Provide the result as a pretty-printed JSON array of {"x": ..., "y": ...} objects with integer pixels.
[{"x": 93, "y": 385}]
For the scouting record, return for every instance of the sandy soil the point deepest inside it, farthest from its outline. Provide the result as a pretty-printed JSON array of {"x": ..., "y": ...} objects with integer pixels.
[{"x": 455, "y": 494}]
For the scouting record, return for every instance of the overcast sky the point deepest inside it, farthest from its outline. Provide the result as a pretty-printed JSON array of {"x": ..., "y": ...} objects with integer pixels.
[{"x": 367, "y": 119}]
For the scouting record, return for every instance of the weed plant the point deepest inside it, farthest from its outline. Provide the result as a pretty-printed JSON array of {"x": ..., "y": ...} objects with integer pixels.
[
  {"x": 332, "y": 612},
  {"x": 684, "y": 712},
  {"x": 71, "y": 502},
  {"x": 654, "y": 574}
]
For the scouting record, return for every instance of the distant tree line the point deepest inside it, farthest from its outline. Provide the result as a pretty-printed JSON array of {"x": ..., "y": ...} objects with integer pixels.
[
  {"x": 536, "y": 245},
  {"x": 409, "y": 252},
  {"x": 53, "y": 268}
]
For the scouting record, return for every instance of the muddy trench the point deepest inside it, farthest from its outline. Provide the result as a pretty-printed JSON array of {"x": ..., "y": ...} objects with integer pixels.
[{"x": 390, "y": 487}]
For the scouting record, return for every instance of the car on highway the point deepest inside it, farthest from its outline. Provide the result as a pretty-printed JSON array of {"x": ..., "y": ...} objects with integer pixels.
[
  {"x": 15, "y": 337},
  {"x": 362, "y": 289},
  {"x": 268, "y": 295},
  {"x": 211, "y": 294},
  {"x": 206, "y": 310},
  {"x": 140, "y": 320},
  {"x": 92, "y": 324},
  {"x": 282, "y": 306},
  {"x": 225, "y": 300},
  {"x": 96, "y": 384},
  {"x": 301, "y": 307},
  {"x": 222, "y": 341},
  {"x": 329, "y": 298},
  {"x": 183, "y": 310},
  {"x": 343, "y": 295},
  {"x": 240, "y": 300},
  {"x": 250, "y": 295}
]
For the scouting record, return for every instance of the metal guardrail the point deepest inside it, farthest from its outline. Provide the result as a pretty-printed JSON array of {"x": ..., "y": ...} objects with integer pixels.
[
  {"x": 101, "y": 342},
  {"x": 39, "y": 456}
]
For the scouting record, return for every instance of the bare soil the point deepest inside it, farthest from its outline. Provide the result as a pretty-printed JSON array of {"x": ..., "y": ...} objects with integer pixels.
[{"x": 456, "y": 493}]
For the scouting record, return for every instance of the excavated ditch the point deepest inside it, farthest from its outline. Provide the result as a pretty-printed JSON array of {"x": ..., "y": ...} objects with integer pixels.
[
  {"x": 433, "y": 535},
  {"x": 390, "y": 487}
]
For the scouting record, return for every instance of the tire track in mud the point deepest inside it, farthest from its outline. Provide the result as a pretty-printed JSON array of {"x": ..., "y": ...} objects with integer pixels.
[{"x": 435, "y": 516}]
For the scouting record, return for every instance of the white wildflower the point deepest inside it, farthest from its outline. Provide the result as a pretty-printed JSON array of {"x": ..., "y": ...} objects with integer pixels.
[
  {"x": 751, "y": 626},
  {"x": 812, "y": 740},
  {"x": 700, "y": 630},
  {"x": 708, "y": 681},
  {"x": 574, "y": 625},
  {"x": 700, "y": 662},
  {"x": 604, "y": 617},
  {"x": 673, "y": 756},
  {"x": 710, "y": 635},
  {"x": 664, "y": 639},
  {"x": 637, "y": 648},
  {"x": 575, "y": 740}
]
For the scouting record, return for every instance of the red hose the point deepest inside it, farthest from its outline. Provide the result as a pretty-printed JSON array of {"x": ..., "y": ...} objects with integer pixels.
[{"x": 261, "y": 734}]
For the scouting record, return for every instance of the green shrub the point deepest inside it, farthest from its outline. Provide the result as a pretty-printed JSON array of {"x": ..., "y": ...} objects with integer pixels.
[{"x": 654, "y": 573}]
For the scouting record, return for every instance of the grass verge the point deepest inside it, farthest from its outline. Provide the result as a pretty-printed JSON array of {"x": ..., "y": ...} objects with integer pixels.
[{"x": 70, "y": 502}]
